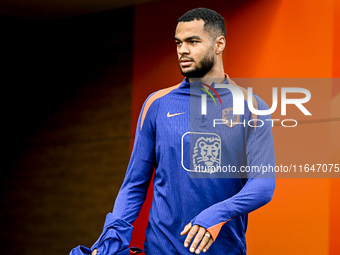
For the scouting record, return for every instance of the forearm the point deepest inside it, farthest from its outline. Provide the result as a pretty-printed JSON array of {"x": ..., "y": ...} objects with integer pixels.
[
  {"x": 117, "y": 229},
  {"x": 256, "y": 193}
]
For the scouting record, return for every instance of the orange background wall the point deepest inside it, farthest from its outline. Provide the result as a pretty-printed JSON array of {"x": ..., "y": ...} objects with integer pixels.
[{"x": 266, "y": 39}]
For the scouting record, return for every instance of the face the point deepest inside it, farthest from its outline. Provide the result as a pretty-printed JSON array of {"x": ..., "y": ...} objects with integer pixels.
[{"x": 194, "y": 49}]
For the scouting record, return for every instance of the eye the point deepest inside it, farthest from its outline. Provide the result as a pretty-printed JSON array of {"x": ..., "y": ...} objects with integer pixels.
[
  {"x": 178, "y": 43},
  {"x": 193, "y": 41}
]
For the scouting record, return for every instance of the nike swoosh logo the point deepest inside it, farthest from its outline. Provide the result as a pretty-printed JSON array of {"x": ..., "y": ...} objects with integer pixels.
[{"x": 175, "y": 114}]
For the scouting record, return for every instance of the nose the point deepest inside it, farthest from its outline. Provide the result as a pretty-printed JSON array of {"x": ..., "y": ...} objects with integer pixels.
[{"x": 183, "y": 49}]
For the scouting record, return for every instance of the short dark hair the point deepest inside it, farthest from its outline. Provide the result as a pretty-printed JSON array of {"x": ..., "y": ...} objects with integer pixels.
[{"x": 213, "y": 22}]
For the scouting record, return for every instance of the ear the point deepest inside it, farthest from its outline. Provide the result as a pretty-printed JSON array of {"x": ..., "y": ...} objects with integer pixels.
[{"x": 220, "y": 44}]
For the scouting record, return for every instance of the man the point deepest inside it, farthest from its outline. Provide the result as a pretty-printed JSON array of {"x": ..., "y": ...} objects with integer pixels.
[{"x": 193, "y": 209}]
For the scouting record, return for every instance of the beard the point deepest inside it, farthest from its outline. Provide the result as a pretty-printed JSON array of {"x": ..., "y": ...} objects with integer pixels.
[{"x": 206, "y": 64}]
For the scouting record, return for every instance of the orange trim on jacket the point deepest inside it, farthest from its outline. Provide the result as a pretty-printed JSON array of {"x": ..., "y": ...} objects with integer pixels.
[
  {"x": 215, "y": 230},
  {"x": 245, "y": 94},
  {"x": 155, "y": 96}
]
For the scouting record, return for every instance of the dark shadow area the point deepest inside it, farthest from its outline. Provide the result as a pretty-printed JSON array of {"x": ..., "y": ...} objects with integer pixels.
[{"x": 67, "y": 106}]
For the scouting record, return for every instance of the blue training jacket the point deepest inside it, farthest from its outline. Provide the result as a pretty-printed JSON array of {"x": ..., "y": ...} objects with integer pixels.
[{"x": 199, "y": 162}]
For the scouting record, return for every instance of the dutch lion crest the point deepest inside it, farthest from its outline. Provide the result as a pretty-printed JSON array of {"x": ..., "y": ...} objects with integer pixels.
[
  {"x": 231, "y": 119},
  {"x": 207, "y": 153}
]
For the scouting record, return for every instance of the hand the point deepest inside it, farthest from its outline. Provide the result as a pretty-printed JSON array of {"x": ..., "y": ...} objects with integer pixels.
[
  {"x": 94, "y": 252},
  {"x": 202, "y": 235}
]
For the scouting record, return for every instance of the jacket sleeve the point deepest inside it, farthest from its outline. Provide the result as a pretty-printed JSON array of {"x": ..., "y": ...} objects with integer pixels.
[
  {"x": 259, "y": 187},
  {"x": 117, "y": 229}
]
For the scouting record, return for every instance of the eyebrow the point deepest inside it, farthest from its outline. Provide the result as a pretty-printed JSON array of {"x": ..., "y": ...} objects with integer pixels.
[{"x": 189, "y": 38}]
